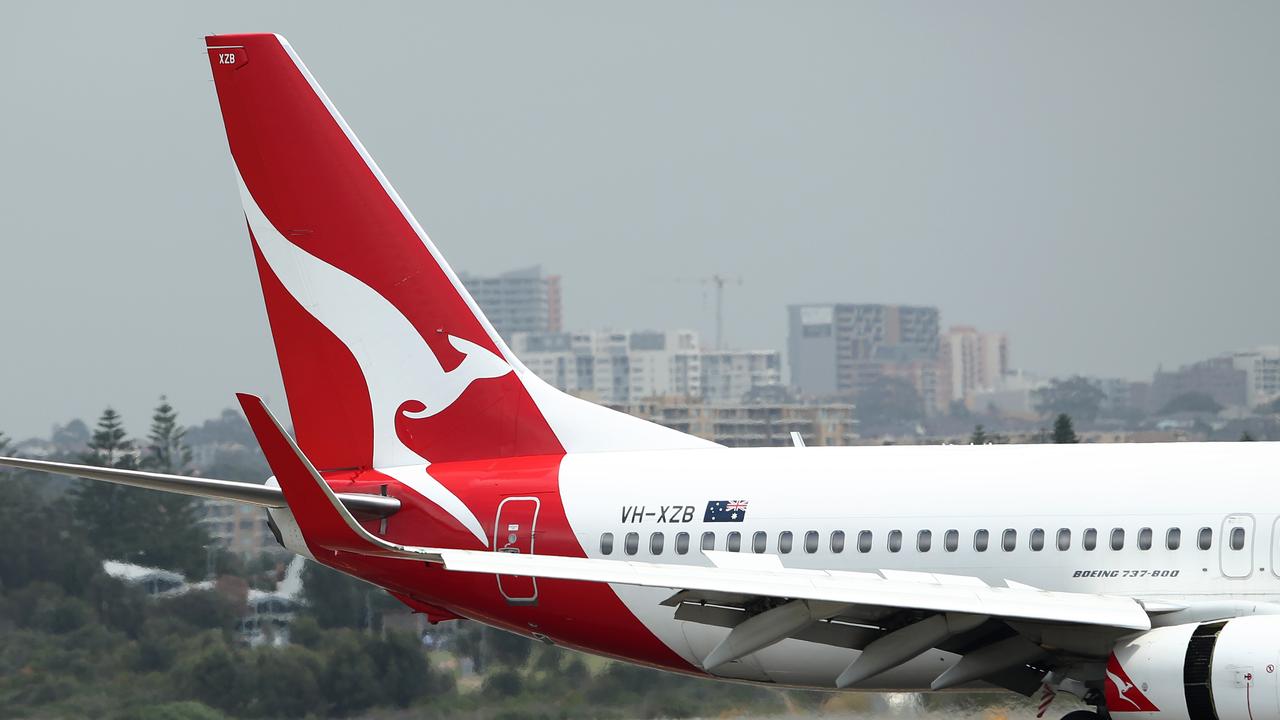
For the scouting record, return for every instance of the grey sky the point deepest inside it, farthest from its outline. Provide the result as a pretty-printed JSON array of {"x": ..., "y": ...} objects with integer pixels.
[{"x": 1100, "y": 180}]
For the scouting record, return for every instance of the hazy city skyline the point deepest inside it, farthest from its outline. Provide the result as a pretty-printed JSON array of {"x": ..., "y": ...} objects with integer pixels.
[{"x": 1097, "y": 181}]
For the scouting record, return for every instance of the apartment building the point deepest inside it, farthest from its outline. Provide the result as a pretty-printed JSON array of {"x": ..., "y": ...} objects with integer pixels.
[
  {"x": 844, "y": 348},
  {"x": 751, "y": 425},
  {"x": 524, "y": 300}
]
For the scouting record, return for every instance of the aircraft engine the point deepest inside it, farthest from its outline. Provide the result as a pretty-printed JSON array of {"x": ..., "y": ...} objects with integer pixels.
[{"x": 1224, "y": 670}]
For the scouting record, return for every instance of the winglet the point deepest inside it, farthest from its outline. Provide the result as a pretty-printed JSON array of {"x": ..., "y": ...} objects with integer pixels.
[{"x": 324, "y": 521}]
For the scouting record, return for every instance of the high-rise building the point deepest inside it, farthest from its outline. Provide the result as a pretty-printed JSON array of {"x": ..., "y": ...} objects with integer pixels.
[
  {"x": 971, "y": 361},
  {"x": 844, "y": 348},
  {"x": 522, "y": 300}
]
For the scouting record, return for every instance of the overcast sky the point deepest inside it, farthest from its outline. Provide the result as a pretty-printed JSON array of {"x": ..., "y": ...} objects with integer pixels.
[{"x": 1099, "y": 180}]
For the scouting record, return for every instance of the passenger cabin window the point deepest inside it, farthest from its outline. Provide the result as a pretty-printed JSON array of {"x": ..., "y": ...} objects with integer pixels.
[
  {"x": 784, "y": 542},
  {"x": 733, "y": 543},
  {"x": 864, "y": 541},
  {"x": 655, "y": 544},
  {"x": 811, "y": 542},
  {"x": 837, "y": 541},
  {"x": 895, "y": 540},
  {"x": 1237, "y": 538},
  {"x": 1009, "y": 540},
  {"x": 631, "y": 544},
  {"x": 1037, "y": 539},
  {"x": 951, "y": 541},
  {"x": 708, "y": 541},
  {"x": 682, "y": 543},
  {"x": 1090, "y": 538},
  {"x": 1064, "y": 539},
  {"x": 1144, "y": 539},
  {"x": 924, "y": 540},
  {"x": 758, "y": 541},
  {"x": 606, "y": 544},
  {"x": 1173, "y": 539},
  {"x": 1117, "y": 539},
  {"x": 1204, "y": 540},
  {"x": 980, "y": 540}
]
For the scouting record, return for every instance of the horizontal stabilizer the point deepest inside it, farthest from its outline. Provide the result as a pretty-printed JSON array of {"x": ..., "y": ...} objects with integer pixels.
[
  {"x": 361, "y": 504},
  {"x": 323, "y": 519}
]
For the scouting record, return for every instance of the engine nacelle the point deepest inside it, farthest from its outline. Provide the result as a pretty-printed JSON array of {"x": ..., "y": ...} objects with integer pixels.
[{"x": 1223, "y": 670}]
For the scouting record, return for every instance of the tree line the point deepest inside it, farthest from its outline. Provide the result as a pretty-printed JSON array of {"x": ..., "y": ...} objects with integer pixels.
[
  {"x": 76, "y": 642},
  {"x": 156, "y": 529}
]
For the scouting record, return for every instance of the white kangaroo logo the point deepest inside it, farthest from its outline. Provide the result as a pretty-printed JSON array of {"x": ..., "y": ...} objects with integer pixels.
[
  {"x": 397, "y": 364},
  {"x": 440, "y": 392},
  {"x": 1122, "y": 687}
]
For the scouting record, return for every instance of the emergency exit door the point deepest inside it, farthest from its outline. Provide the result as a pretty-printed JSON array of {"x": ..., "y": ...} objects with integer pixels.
[
  {"x": 1236, "y": 546},
  {"x": 513, "y": 532}
]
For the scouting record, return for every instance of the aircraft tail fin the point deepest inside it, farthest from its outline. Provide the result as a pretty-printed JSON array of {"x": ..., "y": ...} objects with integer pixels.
[{"x": 386, "y": 358}]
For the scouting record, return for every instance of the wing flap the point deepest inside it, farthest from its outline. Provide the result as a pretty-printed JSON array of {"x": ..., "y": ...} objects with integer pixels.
[{"x": 837, "y": 587}]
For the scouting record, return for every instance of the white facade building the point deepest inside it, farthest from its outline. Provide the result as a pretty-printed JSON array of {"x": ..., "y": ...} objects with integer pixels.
[
  {"x": 1262, "y": 373},
  {"x": 618, "y": 366},
  {"x": 1015, "y": 397},
  {"x": 728, "y": 375},
  {"x": 524, "y": 300},
  {"x": 615, "y": 366},
  {"x": 972, "y": 361},
  {"x": 240, "y": 528}
]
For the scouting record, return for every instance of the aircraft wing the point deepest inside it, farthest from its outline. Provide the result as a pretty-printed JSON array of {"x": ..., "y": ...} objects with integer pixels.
[
  {"x": 892, "y": 616},
  {"x": 1002, "y": 633},
  {"x": 364, "y": 505}
]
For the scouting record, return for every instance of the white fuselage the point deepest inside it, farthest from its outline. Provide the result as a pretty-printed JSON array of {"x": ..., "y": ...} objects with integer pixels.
[{"x": 1038, "y": 505}]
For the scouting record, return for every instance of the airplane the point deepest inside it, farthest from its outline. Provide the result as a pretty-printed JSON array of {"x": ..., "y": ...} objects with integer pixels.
[{"x": 427, "y": 460}]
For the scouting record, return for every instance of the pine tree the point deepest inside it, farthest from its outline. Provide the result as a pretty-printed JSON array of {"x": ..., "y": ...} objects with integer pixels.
[
  {"x": 173, "y": 517},
  {"x": 148, "y": 527},
  {"x": 109, "y": 513},
  {"x": 979, "y": 436},
  {"x": 1063, "y": 432},
  {"x": 166, "y": 450},
  {"x": 109, "y": 446}
]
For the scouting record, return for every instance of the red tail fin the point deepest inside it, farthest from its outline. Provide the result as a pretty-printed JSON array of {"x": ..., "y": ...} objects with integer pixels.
[{"x": 386, "y": 359}]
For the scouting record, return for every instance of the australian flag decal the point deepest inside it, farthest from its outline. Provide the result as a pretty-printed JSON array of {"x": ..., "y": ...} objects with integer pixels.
[{"x": 725, "y": 511}]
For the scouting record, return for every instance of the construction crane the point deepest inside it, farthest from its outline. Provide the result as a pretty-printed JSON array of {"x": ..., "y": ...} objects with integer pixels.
[{"x": 717, "y": 281}]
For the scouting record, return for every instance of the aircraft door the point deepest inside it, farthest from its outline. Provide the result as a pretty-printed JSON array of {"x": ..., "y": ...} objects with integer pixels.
[
  {"x": 513, "y": 532},
  {"x": 1236, "y": 546},
  {"x": 1275, "y": 548}
]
